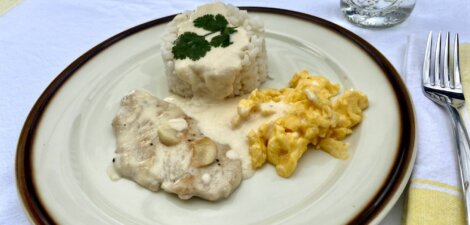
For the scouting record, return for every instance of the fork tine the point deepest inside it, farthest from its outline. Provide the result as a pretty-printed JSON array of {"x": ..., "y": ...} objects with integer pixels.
[
  {"x": 456, "y": 62},
  {"x": 427, "y": 61},
  {"x": 437, "y": 62},
  {"x": 446, "y": 72}
]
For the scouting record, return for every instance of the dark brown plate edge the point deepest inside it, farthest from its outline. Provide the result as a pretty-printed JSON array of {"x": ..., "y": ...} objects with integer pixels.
[{"x": 403, "y": 162}]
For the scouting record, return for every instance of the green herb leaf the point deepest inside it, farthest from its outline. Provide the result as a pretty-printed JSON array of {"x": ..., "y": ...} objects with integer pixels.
[
  {"x": 222, "y": 40},
  {"x": 190, "y": 45},
  {"x": 211, "y": 22},
  {"x": 194, "y": 46},
  {"x": 229, "y": 30}
]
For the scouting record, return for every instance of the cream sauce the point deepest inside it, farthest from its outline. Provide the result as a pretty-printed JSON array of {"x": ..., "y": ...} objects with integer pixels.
[
  {"x": 142, "y": 119},
  {"x": 112, "y": 173},
  {"x": 214, "y": 117},
  {"x": 223, "y": 63}
]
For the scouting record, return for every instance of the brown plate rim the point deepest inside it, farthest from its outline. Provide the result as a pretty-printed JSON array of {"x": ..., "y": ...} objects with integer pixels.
[{"x": 38, "y": 213}]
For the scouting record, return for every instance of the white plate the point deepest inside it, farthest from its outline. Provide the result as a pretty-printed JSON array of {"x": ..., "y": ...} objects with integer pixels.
[{"x": 67, "y": 141}]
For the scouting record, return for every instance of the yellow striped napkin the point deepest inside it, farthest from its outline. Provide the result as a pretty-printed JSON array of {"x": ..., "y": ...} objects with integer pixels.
[
  {"x": 465, "y": 70},
  {"x": 434, "y": 196},
  {"x": 6, "y": 5}
]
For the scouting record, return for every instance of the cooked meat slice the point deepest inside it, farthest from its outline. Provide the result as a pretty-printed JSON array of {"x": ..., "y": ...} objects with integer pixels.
[{"x": 159, "y": 146}]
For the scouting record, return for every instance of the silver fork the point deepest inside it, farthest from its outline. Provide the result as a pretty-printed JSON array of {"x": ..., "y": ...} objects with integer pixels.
[{"x": 443, "y": 86}]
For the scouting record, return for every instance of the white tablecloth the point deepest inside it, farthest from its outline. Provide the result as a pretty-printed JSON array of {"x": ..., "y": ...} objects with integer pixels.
[{"x": 38, "y": 39}]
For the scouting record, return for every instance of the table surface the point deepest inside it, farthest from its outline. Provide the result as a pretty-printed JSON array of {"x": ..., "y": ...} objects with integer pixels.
[{"x": 38, "y": 39}]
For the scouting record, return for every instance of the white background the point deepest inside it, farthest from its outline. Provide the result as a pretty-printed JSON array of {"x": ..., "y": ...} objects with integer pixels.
[{"x": 38, "y": 39}]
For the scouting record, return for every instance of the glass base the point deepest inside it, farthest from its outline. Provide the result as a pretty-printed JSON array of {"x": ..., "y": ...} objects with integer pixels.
[{"x": 375, "y": 18}]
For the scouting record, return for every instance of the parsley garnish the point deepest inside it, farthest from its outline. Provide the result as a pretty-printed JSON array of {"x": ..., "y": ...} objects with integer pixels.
[
  {"x": 223, "y": 39},
  {"x": 196, "y": 46},
  {"x": 190, "y": 45},
  {"x": 211, "y": 22}
]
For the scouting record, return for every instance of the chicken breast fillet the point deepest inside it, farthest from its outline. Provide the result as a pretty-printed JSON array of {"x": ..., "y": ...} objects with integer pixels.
[{"x": 159, "y": 146}]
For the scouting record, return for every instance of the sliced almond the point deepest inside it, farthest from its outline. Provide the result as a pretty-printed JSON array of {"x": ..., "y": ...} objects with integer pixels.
[
  {"x": 178, "y": 124},
  {"x": 204, "y": 152},
  {"x": 167, "y": 135}
]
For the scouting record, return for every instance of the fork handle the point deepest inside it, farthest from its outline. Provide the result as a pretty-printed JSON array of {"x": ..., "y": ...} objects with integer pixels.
[{"x": 463, "y": 154}]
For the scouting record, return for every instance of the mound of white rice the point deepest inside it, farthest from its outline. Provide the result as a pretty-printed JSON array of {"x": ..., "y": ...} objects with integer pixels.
[{"x": 222, "y": 72}]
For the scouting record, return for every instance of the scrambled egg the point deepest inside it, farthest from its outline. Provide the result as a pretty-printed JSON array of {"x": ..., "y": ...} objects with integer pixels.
[{"x": 312, "y": 118}]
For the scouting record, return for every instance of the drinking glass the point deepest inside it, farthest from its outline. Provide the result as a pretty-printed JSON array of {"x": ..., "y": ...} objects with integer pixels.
[{"x": 377, "y": 13}]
